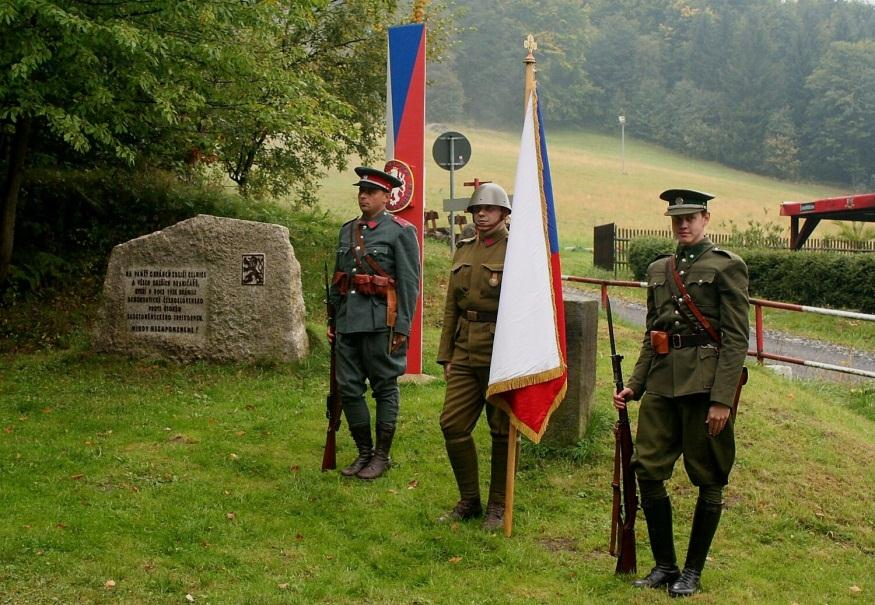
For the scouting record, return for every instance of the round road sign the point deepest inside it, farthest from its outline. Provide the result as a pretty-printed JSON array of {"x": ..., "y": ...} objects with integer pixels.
[{"x": 451, "y": 150}]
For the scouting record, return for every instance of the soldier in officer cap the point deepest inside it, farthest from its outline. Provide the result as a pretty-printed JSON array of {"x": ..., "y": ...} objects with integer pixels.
[
  {"x": 688, "y": 370},
  {"x": 466, "y": 351},
  {"x": 374, "y": 291}
]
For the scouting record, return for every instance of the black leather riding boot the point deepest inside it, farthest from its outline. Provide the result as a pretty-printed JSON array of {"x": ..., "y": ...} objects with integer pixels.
[
  {"x": 361, "y": 434},
  {"x": 705, "y": 522},
  {"x": 380, "y": 461},
  {"x": 659, "y": 528}
]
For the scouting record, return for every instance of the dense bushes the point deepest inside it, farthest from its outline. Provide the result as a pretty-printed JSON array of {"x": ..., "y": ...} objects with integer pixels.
[
  {"x": 818, "y": 279},
  {"x": 69, "y": 221},
  {"x": 643, "y": 250},
  {"x": 813, "y": 278}
]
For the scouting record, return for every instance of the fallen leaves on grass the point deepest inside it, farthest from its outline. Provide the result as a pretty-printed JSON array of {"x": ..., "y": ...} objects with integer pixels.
[
  {"x": 231, "y": 516},
  {"x": 109, "y": 584},
  {"x": 413, "y": 484},
  {"x": 455, "y": 560}
]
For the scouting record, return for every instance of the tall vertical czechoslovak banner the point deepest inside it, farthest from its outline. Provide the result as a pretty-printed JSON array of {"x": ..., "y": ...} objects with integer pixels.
[{"x": 405, "y": 132}]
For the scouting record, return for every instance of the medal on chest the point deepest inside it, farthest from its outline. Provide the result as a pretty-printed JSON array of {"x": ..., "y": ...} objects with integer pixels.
[{"x": 493, "y": 279}]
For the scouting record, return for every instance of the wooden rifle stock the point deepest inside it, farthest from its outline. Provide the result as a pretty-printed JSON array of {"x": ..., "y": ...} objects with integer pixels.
[
  {"x": 333, "y": 404},
  {"x": 623, "y": 484}
]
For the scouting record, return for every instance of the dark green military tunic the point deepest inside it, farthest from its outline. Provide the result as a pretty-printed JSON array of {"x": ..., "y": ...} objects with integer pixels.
[
  {"x": 682, "y": 384},
  {"x": 466, "y": 343},
  {"x": 363, "y": 337}
]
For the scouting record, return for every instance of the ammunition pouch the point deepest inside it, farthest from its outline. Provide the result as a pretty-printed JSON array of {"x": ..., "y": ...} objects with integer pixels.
[
  {"x": 341, "y": 280},
  {"x": 372, "y": 285},
  {"x": 659, "y": 342},
  {"x": 367, "y": 284}
]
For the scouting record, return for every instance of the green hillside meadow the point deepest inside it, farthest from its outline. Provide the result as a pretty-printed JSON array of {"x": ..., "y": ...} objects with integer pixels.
[{"x": 140, "y": 481}]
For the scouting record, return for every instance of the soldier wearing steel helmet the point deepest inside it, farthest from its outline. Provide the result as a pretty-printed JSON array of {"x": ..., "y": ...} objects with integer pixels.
[
  {"x": 466, "y": 351},
  {"x": 374, "y": 292},
  {"x": 688, "y": 371}
]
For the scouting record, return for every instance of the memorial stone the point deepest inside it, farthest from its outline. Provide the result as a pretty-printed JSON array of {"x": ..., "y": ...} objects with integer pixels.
[
  {"x": 568, "y": 422},
  {"x": 205, "y": 288}
]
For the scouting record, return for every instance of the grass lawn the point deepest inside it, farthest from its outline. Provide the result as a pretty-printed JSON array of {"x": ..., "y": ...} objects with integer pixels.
[
  {"x": 145, "y": 482},
  {"x": 128, "y": 481}
]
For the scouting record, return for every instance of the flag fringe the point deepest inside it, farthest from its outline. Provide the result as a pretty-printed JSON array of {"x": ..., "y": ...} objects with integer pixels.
[
  {"x": 528, "y": 380},
  {"x": 524, "y": 428}
]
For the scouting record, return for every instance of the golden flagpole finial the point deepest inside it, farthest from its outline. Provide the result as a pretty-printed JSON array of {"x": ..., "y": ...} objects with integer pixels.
[
  {"x": 531, "y": 46},
  {"x": 419, "y": 10},
  {"x": 529, "y": 61}
]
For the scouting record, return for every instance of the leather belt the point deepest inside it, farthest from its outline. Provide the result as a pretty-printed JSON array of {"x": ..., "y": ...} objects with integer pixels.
[
  {"x": 682, "y": 341},
  {"x": 480, "y": 316}
]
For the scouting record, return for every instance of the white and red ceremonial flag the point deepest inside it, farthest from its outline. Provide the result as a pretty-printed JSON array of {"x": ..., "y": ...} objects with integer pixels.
[{"x": 528, "y": 373}]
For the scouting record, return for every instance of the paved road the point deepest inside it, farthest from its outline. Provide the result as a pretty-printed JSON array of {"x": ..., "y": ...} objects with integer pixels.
[{"x": 776, "y": 343}]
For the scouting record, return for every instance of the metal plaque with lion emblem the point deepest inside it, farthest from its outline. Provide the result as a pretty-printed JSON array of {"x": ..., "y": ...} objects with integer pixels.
[
  {"x": 253, "y": 269},
  {"x": 400, "y": 197}
]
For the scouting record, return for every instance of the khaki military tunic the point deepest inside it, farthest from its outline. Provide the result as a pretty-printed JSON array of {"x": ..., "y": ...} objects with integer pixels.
[
  {"x": 466, "y": 343},
  {"x": 681, "y": 385},
  {"x": 475, "y": 283}
]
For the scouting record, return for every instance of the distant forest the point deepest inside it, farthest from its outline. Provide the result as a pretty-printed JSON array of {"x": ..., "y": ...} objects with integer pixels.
[{"x": 781, "y": 88}]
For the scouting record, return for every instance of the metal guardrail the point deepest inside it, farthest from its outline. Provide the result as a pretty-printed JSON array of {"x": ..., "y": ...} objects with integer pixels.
[{"x": 758, "y": 304}]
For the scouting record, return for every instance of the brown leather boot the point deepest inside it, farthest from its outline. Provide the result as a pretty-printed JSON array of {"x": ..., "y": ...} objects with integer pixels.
[
  {"x": 466, "y": 508},
  {"x": 380, "y": 461},
  {"x": 494, "y": 519},
  {"x": 361, "y": 434}
]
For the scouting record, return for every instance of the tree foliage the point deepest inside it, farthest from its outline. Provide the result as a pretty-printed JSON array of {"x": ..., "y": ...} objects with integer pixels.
[
  {"x": 275, "y": 91},
  {"x": 781, "y": 88}
]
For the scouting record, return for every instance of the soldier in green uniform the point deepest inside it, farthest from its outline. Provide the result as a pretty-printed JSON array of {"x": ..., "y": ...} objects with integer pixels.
[
  {"x": 466, "y": 351},
  {"x": 690, "y": 378},
  {"x": 374, "y": 292}
]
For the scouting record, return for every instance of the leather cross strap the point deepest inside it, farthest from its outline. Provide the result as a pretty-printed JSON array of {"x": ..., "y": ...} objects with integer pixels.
[
  {"x": 360, "y": 244},
  {"x": 688, "y": 301},
  {"x": 391, "y": 294}
]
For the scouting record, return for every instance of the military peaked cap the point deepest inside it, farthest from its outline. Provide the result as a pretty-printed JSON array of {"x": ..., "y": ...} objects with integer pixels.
[
  {"x": 376, "y": 179},
  {"x": 685, "y": 201}
]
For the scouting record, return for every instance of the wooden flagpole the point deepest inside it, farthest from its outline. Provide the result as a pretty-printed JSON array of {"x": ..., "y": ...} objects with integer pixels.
[{"x": 510, "y": 481}]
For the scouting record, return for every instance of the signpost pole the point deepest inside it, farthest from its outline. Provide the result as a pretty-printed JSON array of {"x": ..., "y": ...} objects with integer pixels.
[{"x": 452, "y": 195}]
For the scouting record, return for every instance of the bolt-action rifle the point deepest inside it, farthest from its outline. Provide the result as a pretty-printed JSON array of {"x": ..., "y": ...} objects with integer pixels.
[
  {"x": 625, "y": 505},
  {"x": 333, "y": 405}
]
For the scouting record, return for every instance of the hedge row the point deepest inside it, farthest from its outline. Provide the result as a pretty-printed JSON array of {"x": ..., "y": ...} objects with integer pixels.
[{"x": 818, "y": 279}]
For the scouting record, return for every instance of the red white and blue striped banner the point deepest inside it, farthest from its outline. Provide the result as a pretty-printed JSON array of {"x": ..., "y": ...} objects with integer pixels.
[
  {"x": 405, "y": 133},
  {"x": 528, "y": 374}
]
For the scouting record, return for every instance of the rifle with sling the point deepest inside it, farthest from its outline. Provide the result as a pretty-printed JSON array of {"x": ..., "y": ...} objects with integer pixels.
[
  {"x": 625, "y": 504},
  {"x": 333, "y": 405}
]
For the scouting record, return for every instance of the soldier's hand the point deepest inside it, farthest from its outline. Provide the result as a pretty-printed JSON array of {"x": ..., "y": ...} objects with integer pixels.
[
  {"x": 447, "y": 370},
  {"x": 398, "y": 341},
  {"x": 330, "y": 334},
  {"x": 718, "y": 416},
  {"x": 622, "y": 397}
]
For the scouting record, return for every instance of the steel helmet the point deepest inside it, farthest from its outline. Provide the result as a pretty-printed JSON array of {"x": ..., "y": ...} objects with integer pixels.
[{"x": 489, "y": 194}]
